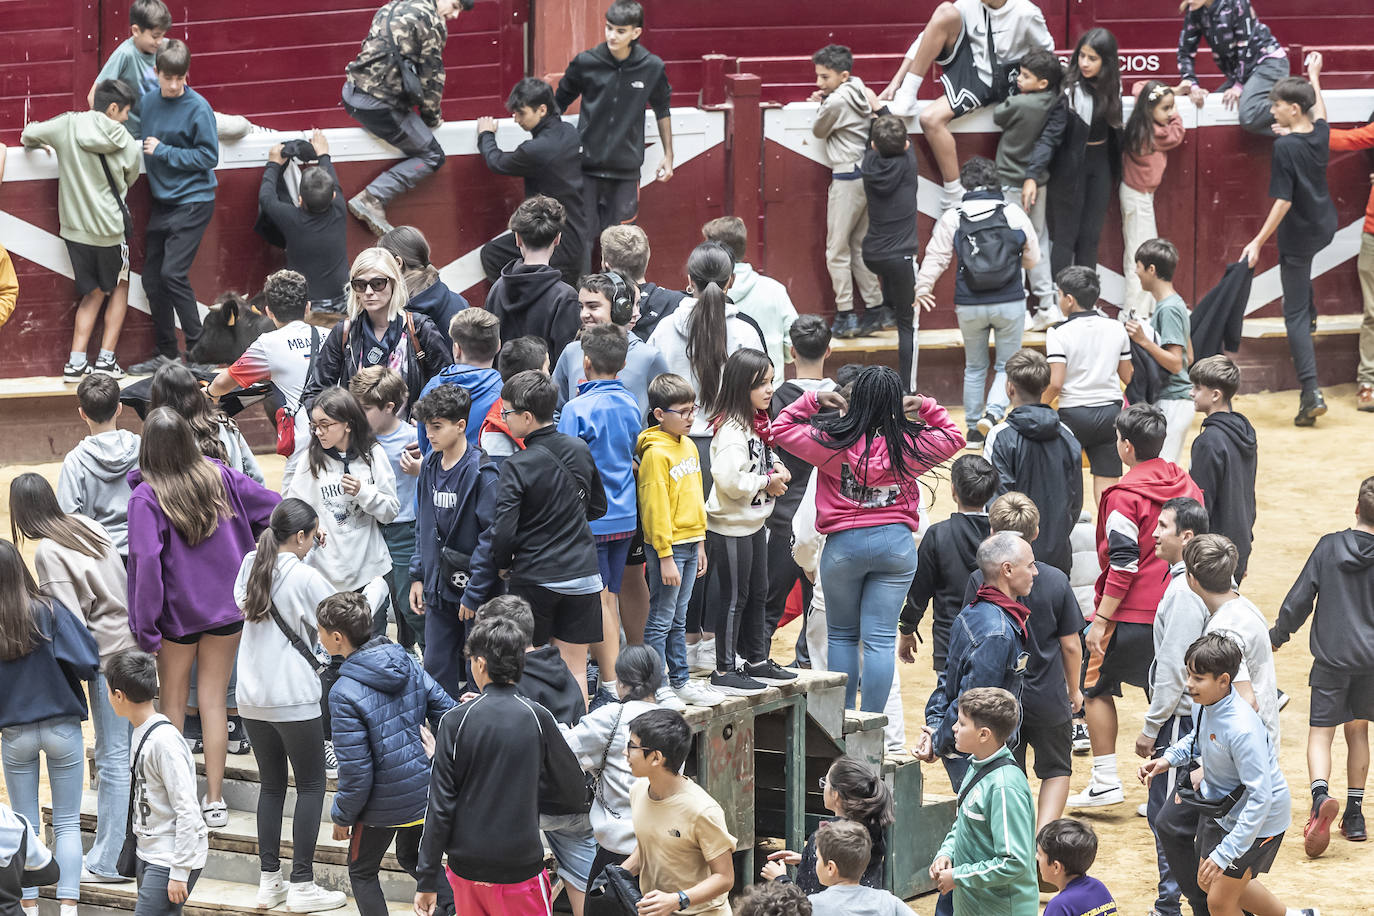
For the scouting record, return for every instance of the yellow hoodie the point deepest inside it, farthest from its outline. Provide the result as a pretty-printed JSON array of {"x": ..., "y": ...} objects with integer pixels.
[{"x": 672, "y": 507}]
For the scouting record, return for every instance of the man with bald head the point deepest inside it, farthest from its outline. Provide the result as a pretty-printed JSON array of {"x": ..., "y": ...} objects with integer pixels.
[{"x": 987, "y": 646}]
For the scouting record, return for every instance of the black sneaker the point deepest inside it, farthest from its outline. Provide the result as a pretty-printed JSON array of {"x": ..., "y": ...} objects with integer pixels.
[
  {"x": 1283, "y": 699},
  {"x": 1311, "y": 406},
  {"x": 770, "y": 672},
  {"x": 73, "y": 373},
  {"x": 737, "y": 684},
  {"x": 190, "y": 730},
  {"x": 1081, "y": 743},
  {"x": 108, "y": 367},
  {"x": 986, "y": 422},
  {"x": 1352, "y": 826},
  {"x": 238, "y": 737},
  {"x": 149, "y": 365},
  {"x": 975, "y": 437},
  {"x": 845, "y": 326}
]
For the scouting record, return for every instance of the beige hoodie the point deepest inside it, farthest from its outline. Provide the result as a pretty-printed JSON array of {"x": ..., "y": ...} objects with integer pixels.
[
  {"x": 842, "y": 122},
  {"x": 96, "y": 590}
]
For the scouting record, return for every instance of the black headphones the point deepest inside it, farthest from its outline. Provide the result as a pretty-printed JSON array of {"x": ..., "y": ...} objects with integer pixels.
[{"x": 622, "y": 306}]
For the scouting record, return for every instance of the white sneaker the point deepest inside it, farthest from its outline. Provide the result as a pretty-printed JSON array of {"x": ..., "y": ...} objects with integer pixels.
[
  {"x": 67, "y": 909},
  {"x": 1096, "y": 796},
  {"x": 666, "y": 697},
  {"x": 216, "y": 813},
  {"x": 271, "y": 890},
  {"x": 1143, "y": 810},
  {"x": 1044, "y": 318},
  {"x": 311, "y": 898},
  {"x": 705, "y": 660},
  {"x": 699, "y": 693}
]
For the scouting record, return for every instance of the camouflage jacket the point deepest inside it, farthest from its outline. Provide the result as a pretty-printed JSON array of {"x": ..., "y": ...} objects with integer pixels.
[
  {"x": 1237, "y": 38},
  {"x": 419, "y": 33}
]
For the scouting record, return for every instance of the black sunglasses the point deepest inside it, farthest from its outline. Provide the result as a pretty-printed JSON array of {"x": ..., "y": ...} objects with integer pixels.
[{"x": 376, "y": 283}]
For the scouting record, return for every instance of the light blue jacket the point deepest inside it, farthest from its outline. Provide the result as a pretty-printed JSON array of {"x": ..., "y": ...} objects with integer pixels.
[
  {"x": 1234, "y": 749},
  {"x": 643, "y": 364},
  {"x": 605, "y": 416}
]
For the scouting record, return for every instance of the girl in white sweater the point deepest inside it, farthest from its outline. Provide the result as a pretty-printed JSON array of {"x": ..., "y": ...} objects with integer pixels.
[
  {"x": 349, "y": 482},
  {"x": 279, "y": 698},
  {"x": 748, "y": 476},
  {"x": 78, "y": 566}
]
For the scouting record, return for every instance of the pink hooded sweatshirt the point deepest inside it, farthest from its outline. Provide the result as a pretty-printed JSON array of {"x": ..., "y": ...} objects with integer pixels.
[{"x": 858, "y": 489}]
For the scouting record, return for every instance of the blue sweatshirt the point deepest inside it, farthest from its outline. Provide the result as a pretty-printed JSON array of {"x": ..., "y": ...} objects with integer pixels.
[
  {"x": 181, "y": 169},
  {"x": 1234, "y": 749},
  {"x": 606, "y": 416},
  {"x": 643, "y": 364},
  {"x": 64, "y": 648},
  {"x": 482, "y": 385}
]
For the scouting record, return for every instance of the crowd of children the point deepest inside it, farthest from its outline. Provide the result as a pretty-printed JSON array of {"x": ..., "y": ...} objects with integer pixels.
[{"x": 576, "y": 506}]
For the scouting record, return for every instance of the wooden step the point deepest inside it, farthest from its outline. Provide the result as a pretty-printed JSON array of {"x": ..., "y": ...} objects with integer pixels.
[
  {"x": 210, "y": 897},
  {"x": 241, "y": 835}
]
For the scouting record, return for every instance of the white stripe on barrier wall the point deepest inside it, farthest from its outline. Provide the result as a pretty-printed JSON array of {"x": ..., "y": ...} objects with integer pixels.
[{"x": 694, "y": 133}]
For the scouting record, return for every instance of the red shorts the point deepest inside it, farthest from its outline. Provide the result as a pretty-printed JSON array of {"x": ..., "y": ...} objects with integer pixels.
[{"x": 479, "y": 898}]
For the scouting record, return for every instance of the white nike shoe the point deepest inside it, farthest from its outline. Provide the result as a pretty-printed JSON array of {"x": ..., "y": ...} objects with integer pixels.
[{"x": 1097, "y": 796}]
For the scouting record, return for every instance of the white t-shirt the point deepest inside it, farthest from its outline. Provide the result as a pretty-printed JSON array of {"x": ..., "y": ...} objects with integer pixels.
[
  {"x": 1090, "y": 345},
  {"x": 284, "y": 357},
  {"x": 1243, "y": 622}
]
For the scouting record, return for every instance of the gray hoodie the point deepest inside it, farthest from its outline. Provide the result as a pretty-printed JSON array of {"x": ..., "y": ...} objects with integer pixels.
[
  {"x": 93, "y": 482},
  {"x": 1179, "y": 621}
]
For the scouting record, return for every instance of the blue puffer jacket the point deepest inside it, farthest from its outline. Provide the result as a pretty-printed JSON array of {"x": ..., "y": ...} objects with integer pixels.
[
  {"x": 380, "y": 701},
  {"x": 438, "y": 303}
]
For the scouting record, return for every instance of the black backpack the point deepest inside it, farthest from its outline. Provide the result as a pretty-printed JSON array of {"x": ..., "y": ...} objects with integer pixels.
[{"x": 989, "y": 251}]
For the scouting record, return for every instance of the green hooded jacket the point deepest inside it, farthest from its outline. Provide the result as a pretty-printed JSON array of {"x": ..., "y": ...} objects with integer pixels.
[{"x": 87, "y": 211}]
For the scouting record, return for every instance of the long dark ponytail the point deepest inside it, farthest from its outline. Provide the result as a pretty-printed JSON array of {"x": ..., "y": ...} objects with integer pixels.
[
  {"x": 864, "y": 797},
  {"x": 1106, "y": 86},
  {"x": 875, "y": 409},
  {"x": 291, "y": 516},
  {"x": 709, "y": 267}
]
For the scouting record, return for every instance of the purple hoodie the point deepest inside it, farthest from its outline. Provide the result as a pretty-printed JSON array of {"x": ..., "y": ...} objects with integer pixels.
[{"x": 176, "y": 589}]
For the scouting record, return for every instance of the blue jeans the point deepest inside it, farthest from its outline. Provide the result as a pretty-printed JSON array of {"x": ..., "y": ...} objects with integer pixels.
[
  {"x": 865, "y": 574},
  {"x": 1168, "y": 901},
  {"x": 60, "y": 740},
  {"x": 410, "y": 627},
  {"x": 666, "y": 630},
  {"x": 112, "y": 774},
  {"x": 1006, "y": 321}
]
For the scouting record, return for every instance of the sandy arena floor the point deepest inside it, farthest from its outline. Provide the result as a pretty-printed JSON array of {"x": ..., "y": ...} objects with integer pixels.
[{"x": 1307, "y": 484}]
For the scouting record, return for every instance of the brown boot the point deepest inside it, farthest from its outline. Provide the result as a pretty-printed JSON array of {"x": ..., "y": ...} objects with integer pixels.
[{"x": 370, "y": 212}]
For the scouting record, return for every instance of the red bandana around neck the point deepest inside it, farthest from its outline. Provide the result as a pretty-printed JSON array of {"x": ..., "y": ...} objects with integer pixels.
[
  {"x": 1018, "y": 611},
  {"x": 762, "y": 426}
]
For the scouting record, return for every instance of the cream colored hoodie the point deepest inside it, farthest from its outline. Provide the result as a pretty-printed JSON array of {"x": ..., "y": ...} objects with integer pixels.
[{"x": 740, "y": 467}]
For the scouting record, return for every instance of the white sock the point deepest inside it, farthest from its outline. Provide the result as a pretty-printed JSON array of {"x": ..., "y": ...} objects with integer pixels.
[
  {"x": 911, "y": 83},
  {"x": 1104, "y": 770},
  {"x": 953, "y": 191},
  {"x": 608, "y": 685}
]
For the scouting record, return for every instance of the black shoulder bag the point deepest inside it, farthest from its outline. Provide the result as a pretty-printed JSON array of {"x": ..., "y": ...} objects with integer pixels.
[
  {"x": 412, "y": 90},
  {"x": 296, "y": 642},
  {"x": 978, "y": 777},
  {"x": 1191, "y": 798},
  {"x": 123, "y": 207},
  {"x": 127, "y": 864}
]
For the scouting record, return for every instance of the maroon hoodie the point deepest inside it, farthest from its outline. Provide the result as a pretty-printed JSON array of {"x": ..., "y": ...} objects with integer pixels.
[{"x": 1126, "y": 522}]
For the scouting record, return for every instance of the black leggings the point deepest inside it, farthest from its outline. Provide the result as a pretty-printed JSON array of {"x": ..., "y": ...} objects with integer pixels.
[
  {"x": 1176, "y": 827},
  {"x": 899, "y": 294},
  {"x": 1075, "y": 224},
  {"x": 783, "y": 572},
  {"x": 737, "y": 586},
  {"x": 302, "y": 744}
]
